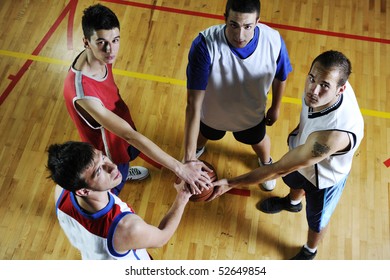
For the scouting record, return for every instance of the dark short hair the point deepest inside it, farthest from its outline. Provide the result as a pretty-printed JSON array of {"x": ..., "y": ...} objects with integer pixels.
[
  {"x": 243, "y": 6},
  {"x": 67, "y": 161},
  {"x": 97, "y": 17},
  {"x": 335, "y": 59}
]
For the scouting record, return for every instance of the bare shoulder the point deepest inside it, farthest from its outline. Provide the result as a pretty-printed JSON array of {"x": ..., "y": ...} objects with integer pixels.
[
  {"x": 128, "y": 232},
  {"x": 129, "y": 226},
  {"x": 130, "y": 221}
]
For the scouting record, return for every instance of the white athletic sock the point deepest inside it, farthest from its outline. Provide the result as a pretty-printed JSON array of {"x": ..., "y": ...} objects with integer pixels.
[
  {"x": 310, "y": 249},
  {"x": 295, "y": 202}
]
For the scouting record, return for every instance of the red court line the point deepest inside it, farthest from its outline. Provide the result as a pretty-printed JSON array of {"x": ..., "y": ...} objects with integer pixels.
[
  {"x": 15, "y": 78},
  {"x": 164, "y": 9},
  {"x": 328, "y": 33},
  {"x": 241, "y": 192},
  {"x": 72, "y": 11},
  {"x": 387, "y": 162},
  {"x": 274, "y": 25}
]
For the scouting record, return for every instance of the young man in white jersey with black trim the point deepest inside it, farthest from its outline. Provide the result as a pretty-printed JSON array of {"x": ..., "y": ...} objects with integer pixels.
[
  {"x": 95, "y": 220},
  {"x": 321, "y": 150},
  {"x": 231, "y": 68}
]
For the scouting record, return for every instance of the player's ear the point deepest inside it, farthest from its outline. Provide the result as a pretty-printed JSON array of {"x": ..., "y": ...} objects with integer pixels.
[
  {"x": 82, "y": 192},
  {"x": 341, "y": 89},
  {"x": 86, "y": 43}
]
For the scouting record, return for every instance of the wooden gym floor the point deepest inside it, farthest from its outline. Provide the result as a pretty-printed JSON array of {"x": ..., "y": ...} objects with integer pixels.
[{"x": 38, "y": 41}]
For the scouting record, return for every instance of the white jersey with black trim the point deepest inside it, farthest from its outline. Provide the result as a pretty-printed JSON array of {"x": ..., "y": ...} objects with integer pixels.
[
  {"x": 236, "y": 93},
  {"x": 345, "y": 116}
]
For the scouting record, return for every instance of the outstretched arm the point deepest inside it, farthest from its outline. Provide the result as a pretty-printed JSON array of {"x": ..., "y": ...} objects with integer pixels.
[
  {"x": 318, "y": 146},
  {"x": 135, "y": 233},
  {"x": 191, "y": 172}
]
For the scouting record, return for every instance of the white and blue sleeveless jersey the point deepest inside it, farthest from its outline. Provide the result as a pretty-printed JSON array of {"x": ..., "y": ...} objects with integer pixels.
[
  {"x": 236, "y": 81},
  {"x": 92, "y": 234},
  {"x": 345, "y": 116}
]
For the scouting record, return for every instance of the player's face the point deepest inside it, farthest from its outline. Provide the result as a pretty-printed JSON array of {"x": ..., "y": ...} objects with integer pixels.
[
  {"x": 104, "y": 45},
  {"x": 102, "y": 174},
  {"x": 240, "y": 28},
  {"x": 321, "y": 88}
]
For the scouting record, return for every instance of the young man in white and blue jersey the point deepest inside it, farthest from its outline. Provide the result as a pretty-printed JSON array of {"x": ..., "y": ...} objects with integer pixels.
[
  {"x": 321, "y": 150},
  {"x": 96, "y": 221},
  {"x": 231, "y": 69}
]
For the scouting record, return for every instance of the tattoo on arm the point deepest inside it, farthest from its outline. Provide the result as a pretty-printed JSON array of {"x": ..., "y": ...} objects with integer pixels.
[{"x": 319, "y": 149}]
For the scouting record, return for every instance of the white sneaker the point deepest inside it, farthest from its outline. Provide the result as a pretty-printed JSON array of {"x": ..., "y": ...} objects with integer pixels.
[
  {"x": 268, "y": 185},
  {"x": 200, "y": 151},
  {"x": 137, "y": 173}
]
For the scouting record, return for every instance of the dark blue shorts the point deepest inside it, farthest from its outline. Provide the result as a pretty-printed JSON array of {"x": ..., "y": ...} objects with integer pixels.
[
  {"x": 320, "y": 203},
  {"x": 249, "y": 136}
]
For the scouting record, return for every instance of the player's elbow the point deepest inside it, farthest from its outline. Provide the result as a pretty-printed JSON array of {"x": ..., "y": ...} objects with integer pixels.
[
  {"x": 163, "y": 242},
  {"x": 131, "y": 136},
  {"x": 159, "y": 242}
]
